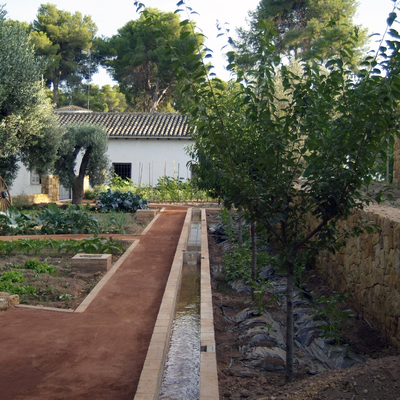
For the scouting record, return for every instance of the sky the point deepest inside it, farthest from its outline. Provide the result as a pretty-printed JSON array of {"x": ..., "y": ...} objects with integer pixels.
[{"x": 111, "y": 15}]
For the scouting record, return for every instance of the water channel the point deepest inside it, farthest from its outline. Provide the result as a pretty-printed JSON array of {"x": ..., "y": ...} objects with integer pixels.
[{"x": 181, "y": 379}]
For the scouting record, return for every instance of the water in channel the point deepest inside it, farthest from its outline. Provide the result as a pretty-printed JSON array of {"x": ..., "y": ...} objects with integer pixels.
[{"x": 181, "y": 379}]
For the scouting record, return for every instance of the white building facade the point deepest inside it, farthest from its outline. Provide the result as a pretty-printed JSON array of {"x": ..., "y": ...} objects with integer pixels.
[{"x": 142, "y": 146}]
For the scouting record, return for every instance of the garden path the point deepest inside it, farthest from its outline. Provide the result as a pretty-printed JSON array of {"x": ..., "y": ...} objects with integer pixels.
[{"x": 97, "y": 354}]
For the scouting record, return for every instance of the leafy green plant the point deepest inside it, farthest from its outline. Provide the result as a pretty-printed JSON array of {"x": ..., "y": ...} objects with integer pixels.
[
  {"x": 260, "y": 288},
  {"x": 114, "y": 221},
  {"x": 236, "y": 263},
  {"x": 334, "y": 315},
  {"x": 12, "y": 276},
  {"x": 91, "y": 245},
  {"x": 66, "y": 297},
  {"x": 74, "y": 219},
  {"x": 228, "y": 227},
  {"x": 13, "y": 222},
  {"x": 36, "y": 266},
  {"x": 7, "y": 280},
  {"x": 120, "y": 201}
]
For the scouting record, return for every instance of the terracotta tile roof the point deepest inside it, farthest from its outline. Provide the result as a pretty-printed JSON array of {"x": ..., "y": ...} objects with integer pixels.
[{"x": 134, "y": 125}]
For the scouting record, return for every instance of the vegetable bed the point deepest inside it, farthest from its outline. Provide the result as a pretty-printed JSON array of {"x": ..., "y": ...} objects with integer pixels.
[{"x": 46, "y": 279}]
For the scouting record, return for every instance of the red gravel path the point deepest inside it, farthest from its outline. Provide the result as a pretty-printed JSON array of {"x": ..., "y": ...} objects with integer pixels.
[{"x": 98, "y": 354}]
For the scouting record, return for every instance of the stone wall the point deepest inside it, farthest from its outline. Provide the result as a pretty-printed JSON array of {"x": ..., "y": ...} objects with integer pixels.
[
  {"x": 51, "y": 187},
  {"x": 369, "y": 268}
]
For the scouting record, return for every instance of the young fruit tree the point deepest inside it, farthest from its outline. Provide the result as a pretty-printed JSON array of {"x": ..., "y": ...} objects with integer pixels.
[
  {"x": 298, "y": 154},
  {"x": 87, "y": 143}
]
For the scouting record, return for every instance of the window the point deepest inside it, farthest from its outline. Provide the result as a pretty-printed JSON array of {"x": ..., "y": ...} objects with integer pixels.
[
  {"x": 123, "y": 170},
  {"x": 35, "y": 178}
]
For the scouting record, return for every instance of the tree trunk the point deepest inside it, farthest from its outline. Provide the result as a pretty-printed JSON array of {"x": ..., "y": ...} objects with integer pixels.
[
  {"x": 253, "y": 255},
  {"x": 240, "y": 229},
  {"x": 289, "y": 322},
  {"x": 77, "y": 187},
  {"x": 77, "y": 190},
  {"x": 156, "y": 100},
  {"x": 55, "y": 93}
]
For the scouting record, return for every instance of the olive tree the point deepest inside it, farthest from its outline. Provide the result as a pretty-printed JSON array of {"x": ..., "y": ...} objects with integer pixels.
[
  {"x": 28, "y": 129},
  {"x": 300, "y": 157},
  {"x": 87, "y": 143}
]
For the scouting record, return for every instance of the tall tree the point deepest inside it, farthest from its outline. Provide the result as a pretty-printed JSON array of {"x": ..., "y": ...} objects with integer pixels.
[
  {"x": 28, "y": 129},
  {"x": 303, "y": 27},
  {"x": 87, "y": 143},
  {"x": 65, "y": 40},
  {"x": 140, "y": 60},
  {"x": 297, "y": 164}
]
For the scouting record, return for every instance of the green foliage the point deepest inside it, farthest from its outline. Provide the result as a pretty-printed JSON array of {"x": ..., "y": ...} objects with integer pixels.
[
  {"x": 260, "y": 288},
  {"x": 92, "y": 245},
  {"x": 65, "y": 40},
  {"x": 139, "y": 58},
  {"x": 74, "y": 219},
  {"x": 104, "y": 99},
  {"x": 28, "y": 129},
  {"x": 174, "y": 189},
  {"x": 334, "y": 315},
  {"x": 120, "y": 201},
  {"x": 13, "y": 222},
  {"x": 307, "y": 153},
  {"x": 304, "y": 28},
  {"x": 36, "y": 266},
  {"x": 237, "y": 263},
  {"x": 7, "y": 280},
  {"x": 115, "y": 221},
  {"x": 92, "y": 141},
  {"x": 167, "y": 189},
  {"x": 12, "y": 276},
  {"x": 226, "y": 218}
]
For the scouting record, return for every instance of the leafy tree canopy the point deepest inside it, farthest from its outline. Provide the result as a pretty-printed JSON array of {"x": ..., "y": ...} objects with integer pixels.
[
  {"x": 65, "y": 40},
  {"x": 304, "y": 27},
  {"x": 141, "y": 61},
  {"x": 104, "y": 99},
  {"x": 90, "y": 143},
  {"x": 28, "y": 129},
  {"x": 296, "y": 163}
]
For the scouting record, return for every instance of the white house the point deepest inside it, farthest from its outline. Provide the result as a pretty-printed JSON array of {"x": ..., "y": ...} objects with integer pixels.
[{"x": 142, "y": 146}]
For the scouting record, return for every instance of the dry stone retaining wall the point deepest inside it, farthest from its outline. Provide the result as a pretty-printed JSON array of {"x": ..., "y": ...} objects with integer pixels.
[{"x": 369, "y": 268}]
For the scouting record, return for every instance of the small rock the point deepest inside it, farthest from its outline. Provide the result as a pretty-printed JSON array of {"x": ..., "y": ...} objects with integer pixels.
[
  {"x": 13, "y": 300},
  {"x": 3, "y": 304}
]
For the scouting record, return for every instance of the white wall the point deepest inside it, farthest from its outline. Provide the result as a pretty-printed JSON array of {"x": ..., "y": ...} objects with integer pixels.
[
  {"x": 151, "y": 157},
  {"x": 22, "y": 183}
]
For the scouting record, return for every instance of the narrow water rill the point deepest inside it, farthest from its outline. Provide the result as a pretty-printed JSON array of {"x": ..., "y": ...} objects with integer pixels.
[
  {"x": 181, "y": 379},
  {"x": 180, "y": 361}
]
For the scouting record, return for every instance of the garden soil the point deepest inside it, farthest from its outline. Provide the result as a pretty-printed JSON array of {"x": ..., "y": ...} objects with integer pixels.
[
  {"x": 99, "y": 354},
  {"x": 376, "y": 379}
]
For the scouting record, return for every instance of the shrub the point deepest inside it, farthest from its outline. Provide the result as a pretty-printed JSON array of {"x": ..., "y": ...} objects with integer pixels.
[
  {"x": 13, "y": 222},
  {"x": 74, "y": 219},
  {"x": 120, "y": 201}
]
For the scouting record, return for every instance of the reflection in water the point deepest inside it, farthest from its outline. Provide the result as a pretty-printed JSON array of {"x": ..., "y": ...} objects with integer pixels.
[{"x": 181, "y": 380}]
